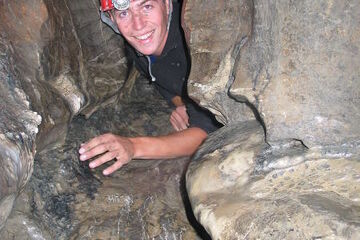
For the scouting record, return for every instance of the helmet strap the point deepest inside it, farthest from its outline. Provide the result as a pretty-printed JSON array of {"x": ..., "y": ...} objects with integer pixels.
[{"x": 169, "y": 14}]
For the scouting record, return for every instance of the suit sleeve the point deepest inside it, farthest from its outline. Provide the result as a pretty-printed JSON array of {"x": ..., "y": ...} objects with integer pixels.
[{"x": 201, "y": 118}]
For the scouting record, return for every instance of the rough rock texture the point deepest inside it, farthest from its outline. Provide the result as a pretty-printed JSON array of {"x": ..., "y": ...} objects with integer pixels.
[
  {"x": 242, "y": 188},
  {"x": 216, "y": 30},
  {"x": 296, "y": 65},
  {"x": 66, "y": 63},
  {"x": 19, "y": 126},
  {"x": 57, "y": 60},
  {"x": 292, "y": 65},
  {"x": 66, "y": 200},
  {"x": 296, "y": 62}
]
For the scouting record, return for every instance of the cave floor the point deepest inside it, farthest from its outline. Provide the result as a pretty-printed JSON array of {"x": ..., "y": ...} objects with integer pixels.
[{"x": 65, "y": 199}]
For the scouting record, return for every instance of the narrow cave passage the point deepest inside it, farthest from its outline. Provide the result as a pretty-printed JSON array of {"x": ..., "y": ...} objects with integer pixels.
[
  {"x": 68, "y": 200},
  {"x": 283, "y": 78}
]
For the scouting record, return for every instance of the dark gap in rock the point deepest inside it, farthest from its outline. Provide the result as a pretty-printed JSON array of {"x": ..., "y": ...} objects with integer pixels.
[
  {"x": 200, "y": 230},
  {"x": 253, "y": 109},
  {"x": 302, "y": 142}
]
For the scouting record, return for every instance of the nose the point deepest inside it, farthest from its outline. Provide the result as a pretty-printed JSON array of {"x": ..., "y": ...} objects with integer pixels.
[{"x": 138, "y": 21}]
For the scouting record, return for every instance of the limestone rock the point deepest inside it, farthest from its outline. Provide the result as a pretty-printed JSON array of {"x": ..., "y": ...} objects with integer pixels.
[
  {"x": 241, "y": 188},
  {"x": 54, "y": 65},
  {"x": 18, "y": 128},
  {"x": 216, "y": 31},
  {"x": 294, "y": 174},
  {"x": 21, "y": 28},
  {"x": 297, "y": 64},
  {"x": 65, "y": 199},
  {"x": 83, "y": 50},
  {"x": 68, "y": 62}
]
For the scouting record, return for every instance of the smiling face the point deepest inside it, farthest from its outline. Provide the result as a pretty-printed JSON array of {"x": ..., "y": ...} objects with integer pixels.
[{"x": 144, "y": 25}]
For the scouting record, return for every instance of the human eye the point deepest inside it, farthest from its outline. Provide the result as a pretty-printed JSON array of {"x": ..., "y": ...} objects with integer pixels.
[
  {"x": 122, "y": 14},
  {"x": 148, "y": 7}
]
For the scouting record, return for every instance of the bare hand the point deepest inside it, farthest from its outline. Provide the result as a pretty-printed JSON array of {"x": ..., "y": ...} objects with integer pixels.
[
  {"x": 112, "y": 147},
  {"x": 179, "y": 118}
]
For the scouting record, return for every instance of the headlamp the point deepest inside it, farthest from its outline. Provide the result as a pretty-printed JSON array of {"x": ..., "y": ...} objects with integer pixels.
[
  {"x": 121, "y": 4},
  {"x": 107, "y": 5}
]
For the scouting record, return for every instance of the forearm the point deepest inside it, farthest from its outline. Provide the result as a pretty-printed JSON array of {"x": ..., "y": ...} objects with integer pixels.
[{"x": 177, "y": 144}]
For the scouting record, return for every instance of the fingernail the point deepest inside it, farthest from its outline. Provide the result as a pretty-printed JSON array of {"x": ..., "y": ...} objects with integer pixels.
[
  {"x": 105, "y": 172},
  {"x": 81, "y": 150},
  {"x": 83, "y": 157},
  {"x": 91, "y": 165},
  {"x": 82, "y": 144}
]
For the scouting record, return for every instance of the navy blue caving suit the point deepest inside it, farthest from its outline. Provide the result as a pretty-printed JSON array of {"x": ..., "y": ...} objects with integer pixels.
[{"x": 169, "y": 73}]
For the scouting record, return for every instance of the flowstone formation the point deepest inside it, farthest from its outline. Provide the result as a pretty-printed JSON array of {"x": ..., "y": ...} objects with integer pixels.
[{"x": 294, "y": 173}]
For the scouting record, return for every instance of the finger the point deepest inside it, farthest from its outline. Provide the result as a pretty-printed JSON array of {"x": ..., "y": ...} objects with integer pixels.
[
  {"x": 180, "y": 121},
  {"x": 118, "y": 164},
  {"x": 99, "y": 149},
  {"x": 182, "y": 112},
  {"x": 103, "y": 159},
  {"x": 174, "y": 123},
  {"x": 92, "y": 143}
]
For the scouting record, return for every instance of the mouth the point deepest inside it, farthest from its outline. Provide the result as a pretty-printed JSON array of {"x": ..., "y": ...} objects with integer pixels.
[{"x": 145, "y": 36}]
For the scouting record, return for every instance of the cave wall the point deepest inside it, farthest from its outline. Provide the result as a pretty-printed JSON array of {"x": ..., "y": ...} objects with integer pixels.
[
  {"x": 67, "y": 64},
  {"x": 296, "y": 63},
  {"x": 294, "y": 173},
  {"x": 55, "y": 64},
  {"x": 291, "y": 65}
]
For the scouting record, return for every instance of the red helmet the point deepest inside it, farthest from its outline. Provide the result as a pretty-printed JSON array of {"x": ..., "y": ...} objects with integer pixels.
[{"x": 106, "y": 5}]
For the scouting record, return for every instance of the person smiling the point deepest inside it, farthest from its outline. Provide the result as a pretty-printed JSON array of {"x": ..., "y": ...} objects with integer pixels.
[{"x": 156, "y": 44}]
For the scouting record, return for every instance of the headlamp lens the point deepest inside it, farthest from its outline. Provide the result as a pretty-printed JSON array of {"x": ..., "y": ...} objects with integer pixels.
[{"x": 121, "y": 4}]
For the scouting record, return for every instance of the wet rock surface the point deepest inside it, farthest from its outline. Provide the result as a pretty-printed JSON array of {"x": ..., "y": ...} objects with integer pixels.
[
  {"x": 242, "y": 188},
  {"x": 65, "y": 199}
]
